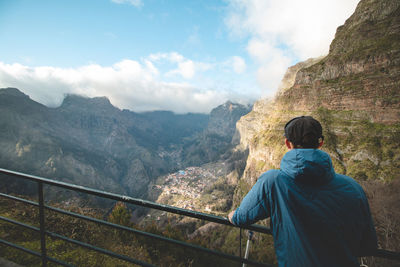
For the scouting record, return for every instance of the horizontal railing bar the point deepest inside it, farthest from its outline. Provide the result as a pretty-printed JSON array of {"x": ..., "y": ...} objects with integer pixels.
[
  {"x": 255, "y": 227},
  {"x": 30, "y": 227},
  {"x": 176, "y": 242},
  {"x": 97, "y": 249},
  {"x": 388, "y": 254},
  {"x": 110, "y": 253},
  {"x": 35, "y": 253},
  {"x": 37, "y": 230},
  {"x": 154, "y": 236},
  {"x": 33, "y": 203},
  {"x": 121, "y": 228},
  {"x": 135, "y": 201},
  {"x": 59, "y": 262}
]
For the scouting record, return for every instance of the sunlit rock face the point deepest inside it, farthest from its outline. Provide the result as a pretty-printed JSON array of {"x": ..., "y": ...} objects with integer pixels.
[
  {"x": 353, "y": 91},
  {"x": 219, "y": 137}
]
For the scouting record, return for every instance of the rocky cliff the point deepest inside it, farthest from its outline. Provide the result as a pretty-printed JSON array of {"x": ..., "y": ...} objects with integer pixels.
[
  {"x": 90, "y": 142},
  {"x": 219, "y": 136},
  {"x": 354, "y": 92}
]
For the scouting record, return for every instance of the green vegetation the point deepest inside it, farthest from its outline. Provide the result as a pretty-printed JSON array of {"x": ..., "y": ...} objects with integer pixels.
[
  {"x": 241, "y": 190},
  {"x": 361, "y": 148},
  {"x": 219, "y": 195},
  {"x": 221, "y": 238}
]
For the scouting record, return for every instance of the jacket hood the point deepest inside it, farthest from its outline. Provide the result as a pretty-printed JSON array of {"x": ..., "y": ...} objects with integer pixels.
[{"x": 308, "y": 166}]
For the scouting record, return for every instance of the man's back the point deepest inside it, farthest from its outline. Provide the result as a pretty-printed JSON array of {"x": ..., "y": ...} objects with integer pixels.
[{"x": 318, "y": 218}]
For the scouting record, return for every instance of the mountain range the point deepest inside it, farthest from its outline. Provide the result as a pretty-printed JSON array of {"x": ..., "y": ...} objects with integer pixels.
[
  {"x": 354, "y": 92},
  {"x": 90, "y": 142}
]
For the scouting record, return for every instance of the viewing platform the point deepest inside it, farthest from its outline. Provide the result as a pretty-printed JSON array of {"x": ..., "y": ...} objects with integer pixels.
[{"x": 239, "y": 259}]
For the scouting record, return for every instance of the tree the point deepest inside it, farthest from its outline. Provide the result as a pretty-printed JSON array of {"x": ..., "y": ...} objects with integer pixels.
[{"x": 120, "y": 215}]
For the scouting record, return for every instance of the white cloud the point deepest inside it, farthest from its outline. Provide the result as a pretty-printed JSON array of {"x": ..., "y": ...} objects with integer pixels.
[
  {"x": 172, "y": 57},
  {"x": 280, "y": 32},
  {"x": 136, "y": 3},
  {"x": 184, "y": 67},
  {"x": 128, "y": 84},
  {"x": 161, "y": 81},
  {"x": 239, "y": 65},
  {"x": 234, "y": 64}
]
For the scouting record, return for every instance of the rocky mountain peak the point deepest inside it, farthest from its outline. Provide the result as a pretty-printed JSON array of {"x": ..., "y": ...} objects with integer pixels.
[
  {"x": 290, "y": 76},
  {"x": 224, "y": 117},
  {"x": 361, "y": 72},
  {"x": 13, "y": 100},
  {"x": 354, "y": 93},
  {"x": 98, "y": 145},
  {"x": 229, "y": 106},
  {"x": 373, "y": 28},
  {"x": 82, "y": 103},
  {"x": 12, "y": 92}
]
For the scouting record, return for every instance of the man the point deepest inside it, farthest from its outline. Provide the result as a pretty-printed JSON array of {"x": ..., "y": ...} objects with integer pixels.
[{"x": 318, "y": 217}]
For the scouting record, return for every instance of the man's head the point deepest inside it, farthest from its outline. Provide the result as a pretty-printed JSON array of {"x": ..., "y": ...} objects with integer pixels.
[{"x": 304, "y": 132}]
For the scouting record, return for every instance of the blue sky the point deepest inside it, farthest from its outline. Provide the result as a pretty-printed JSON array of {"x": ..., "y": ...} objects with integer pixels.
[
  {"x": 184, "y": 56},
  {"x": 73, "y": 33}
]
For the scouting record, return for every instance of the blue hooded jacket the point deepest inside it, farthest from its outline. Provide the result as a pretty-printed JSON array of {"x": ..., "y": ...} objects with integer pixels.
[{"x": 318, "y": 217}]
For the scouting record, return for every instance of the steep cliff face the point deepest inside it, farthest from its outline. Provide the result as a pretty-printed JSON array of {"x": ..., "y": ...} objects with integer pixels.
[
  {"x": 362, "y": 70},
  {"x": 353, "y": 91},
  {"x": 90, "y": 142},
  {"x": 218, "y": 137}
]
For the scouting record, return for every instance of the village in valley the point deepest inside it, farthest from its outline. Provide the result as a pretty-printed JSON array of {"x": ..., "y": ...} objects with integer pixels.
[
  {"x": 192, "y": 188},
  {"x": 184, "y": 187}
]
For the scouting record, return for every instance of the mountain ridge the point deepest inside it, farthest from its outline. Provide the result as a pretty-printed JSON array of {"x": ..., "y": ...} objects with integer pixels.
[
  {"x": 90, "y": 142},
  {"x": 354, "y": 104}
]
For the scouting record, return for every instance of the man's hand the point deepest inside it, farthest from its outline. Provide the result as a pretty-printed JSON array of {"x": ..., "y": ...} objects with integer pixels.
[{"x": 231, "y": 215}]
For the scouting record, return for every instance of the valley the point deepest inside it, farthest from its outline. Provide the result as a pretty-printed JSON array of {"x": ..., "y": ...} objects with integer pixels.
[
  {"x": 89, "y": 142},
  {"x": 208, "y": 162},
  {"x": 203, "y": 189}
]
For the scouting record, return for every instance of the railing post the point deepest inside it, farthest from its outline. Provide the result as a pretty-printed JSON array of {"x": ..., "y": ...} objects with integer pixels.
[
  {"x": 42, "y": 225},
  {"x": 240, "y": 242},
  {"x": 246, "y": 254}
]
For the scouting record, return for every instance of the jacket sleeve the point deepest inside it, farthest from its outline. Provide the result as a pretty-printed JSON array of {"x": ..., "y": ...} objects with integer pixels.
[{"x": 254, "y": 205}]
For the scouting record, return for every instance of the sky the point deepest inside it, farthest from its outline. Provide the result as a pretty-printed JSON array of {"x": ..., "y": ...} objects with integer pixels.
[{"x": 144, "y": 55}]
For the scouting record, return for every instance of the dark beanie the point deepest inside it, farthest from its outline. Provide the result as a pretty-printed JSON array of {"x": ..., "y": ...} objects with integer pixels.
[{"x": 304, "y": 131}]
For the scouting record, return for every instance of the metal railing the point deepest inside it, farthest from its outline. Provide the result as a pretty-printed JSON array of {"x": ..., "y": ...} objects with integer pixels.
[
  {"x": 126, "y": 199},
  {"x": 139, "y": 202}
]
